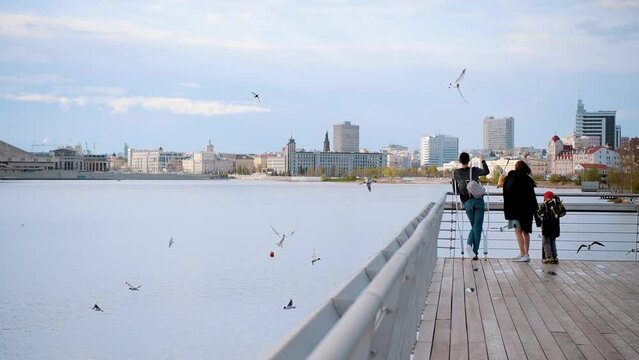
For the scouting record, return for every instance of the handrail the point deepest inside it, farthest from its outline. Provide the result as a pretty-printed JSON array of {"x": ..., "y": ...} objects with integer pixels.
[{"x": 376, "y": 311}]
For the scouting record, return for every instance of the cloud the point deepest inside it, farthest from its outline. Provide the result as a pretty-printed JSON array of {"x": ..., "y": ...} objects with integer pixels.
[
  {"x": 35, "y": 79},
  {"x": 123, "y": 104},
  {"x": 181, "y": 106}
]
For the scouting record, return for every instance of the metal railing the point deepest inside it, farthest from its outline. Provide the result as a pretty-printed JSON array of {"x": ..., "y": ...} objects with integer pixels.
[
  {"x": 375, "y": 314},
  {"x": 589, "y": 217}
]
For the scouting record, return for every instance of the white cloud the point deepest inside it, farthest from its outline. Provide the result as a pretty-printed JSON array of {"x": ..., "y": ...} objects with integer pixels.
[
  {"x": 35, "y": 79},
  {"x": 123, "y": 104},
  {"x": 180, "y": 106}
]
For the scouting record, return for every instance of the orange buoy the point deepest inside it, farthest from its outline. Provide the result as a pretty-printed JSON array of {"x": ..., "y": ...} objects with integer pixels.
[{"x": 272, "y": 254}]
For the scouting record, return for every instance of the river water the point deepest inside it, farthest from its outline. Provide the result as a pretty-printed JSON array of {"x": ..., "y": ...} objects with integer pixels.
[{"x": 214, "y": 294}]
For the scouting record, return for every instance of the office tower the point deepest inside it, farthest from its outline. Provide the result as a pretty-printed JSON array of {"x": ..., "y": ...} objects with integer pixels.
[
  {"x": 438, "y": 149},
  {"x": 499, "y": 133},
  {"x": 597, "y": 123},
  {"x": 346, "y": 137}
]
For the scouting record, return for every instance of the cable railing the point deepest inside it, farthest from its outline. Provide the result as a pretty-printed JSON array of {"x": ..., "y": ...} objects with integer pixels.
[{"x": 589, "y": 217}]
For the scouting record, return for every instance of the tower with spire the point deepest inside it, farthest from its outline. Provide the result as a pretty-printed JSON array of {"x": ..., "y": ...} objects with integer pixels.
[{"x": 327, "y": 144}]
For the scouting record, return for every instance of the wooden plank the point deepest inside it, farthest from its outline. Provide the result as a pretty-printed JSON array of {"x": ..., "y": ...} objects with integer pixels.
[
  {"x": 590, "y": 352},
  {"x": 569, "y": 348},
  {"x": 580, "y": 314},
  {"x": 473, "y": 315},
  {"x": 493, "y": 341},
  {"x": 528, "y": 339},
  {"x": 576, "y": 334},
  {"x": 426, "y": 327},
  {"x": 446, "y": 292},
  {"x": 441, "y": 341},
  {"x": 620, "y": 344},
  {"x": 459, "y": 335},
  {"x": 509, "y": 335},
  {"x": 531, "y": 310}
]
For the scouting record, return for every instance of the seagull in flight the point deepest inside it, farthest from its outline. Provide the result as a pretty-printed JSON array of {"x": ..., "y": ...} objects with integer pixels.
[
  {"x": 96, "y": 307},
  {"x": 257, "y": 96},
  {"x": 368, "y": 181},
  {"x": 588, "y": 246},
  {"x": 456, "y": 83},
  {"x": 314, "y": 257},
  {"x": 171, "y": 241},
  {"x": 282, "y": 236},
  {"x": 631, "y": 251},
  {"x": 289, "y": 306},
  {"x": 133, "y": 288}
]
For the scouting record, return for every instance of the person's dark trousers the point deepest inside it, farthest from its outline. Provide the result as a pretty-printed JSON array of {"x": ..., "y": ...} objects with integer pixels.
[
  {"x": 475, "y": 211},
  {"x": 549, "y": 246}
]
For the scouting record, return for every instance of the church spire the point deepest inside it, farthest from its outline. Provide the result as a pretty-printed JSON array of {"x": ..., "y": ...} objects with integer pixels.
[{"x": 327, "y": 144}]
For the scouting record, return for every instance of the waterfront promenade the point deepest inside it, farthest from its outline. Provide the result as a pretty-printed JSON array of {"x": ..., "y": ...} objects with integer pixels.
[{"x": 574, "y": 310}]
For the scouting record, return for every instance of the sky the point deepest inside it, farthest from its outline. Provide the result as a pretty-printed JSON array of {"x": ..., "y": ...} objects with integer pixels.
[{"x": 174, "y": 73}]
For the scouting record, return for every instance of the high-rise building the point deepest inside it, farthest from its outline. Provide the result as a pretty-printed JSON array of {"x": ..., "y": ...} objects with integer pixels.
[
  {"x": 438, "y": 149},
  {"x": 499, "y": 133},
  {"x": 597, "y": 123},
  {"x": 346, "y": 137}
]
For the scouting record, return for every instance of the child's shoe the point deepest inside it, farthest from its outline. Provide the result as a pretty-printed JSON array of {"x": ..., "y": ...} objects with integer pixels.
[
  {"x": 555, "y": 261},
  {"x": 546, "y": 261}
]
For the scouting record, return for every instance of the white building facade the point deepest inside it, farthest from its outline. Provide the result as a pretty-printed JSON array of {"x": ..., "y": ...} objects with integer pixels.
[
  {"x": 438, "y": 149},
  {"x": 499, "y": 133},
  {"x": 346, "y": 137},
  {"x": 155, "y": 161}
]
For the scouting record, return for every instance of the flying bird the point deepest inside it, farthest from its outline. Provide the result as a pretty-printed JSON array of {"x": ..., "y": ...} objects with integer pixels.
[
  {"x": 368, "y": 181},
  {"x": 588, "y": 246},
  {"x": 456, "y": 83},
  {"x": 133, "y": 288},
  {"x": 501, "y": 228},
  {"x": 314, "y": 257},
  {"x": 96, "y": 307},
  {"x": 631, "y": 251},
  {"x": 289, "y": 306},
  {"x": 171, "y": 241},
  {"x": 257, "y": 96},
  {"x": 282, "y": 236}
]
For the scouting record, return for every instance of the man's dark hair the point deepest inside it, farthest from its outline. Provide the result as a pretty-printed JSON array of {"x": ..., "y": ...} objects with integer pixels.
[{"x": 464, "y": 158}]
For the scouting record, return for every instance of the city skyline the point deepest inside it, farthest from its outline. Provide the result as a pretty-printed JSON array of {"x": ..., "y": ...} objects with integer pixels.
[{"x": 174, "y": 73}]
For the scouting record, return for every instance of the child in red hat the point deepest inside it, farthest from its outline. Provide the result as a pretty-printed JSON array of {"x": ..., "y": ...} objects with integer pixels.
[{"x": 549, "y": 212}]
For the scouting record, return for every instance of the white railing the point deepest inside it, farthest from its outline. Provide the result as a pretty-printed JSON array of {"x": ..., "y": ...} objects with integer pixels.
[{"x": 375, "y": 314}]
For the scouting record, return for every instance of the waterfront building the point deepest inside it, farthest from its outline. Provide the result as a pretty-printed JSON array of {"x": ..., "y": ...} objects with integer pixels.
[
  {"x": 206, "y": 162},
  {"x": 276, "y": 164},
  {"x": 332, "y": 163},
  {"x": 582, "y": 142},
  {"x": 155, "y": 161},
  {"x": 13, "y": 158},
  {"x": 499, "y": 133},
  {"x": 397, "y": 156},
  {"x": 438, "y": 149},
  {"x": 599, "y": 155},
  {"x": 346, "y": 137},
  {"x": 597, "y": 123},
  {"x": 117, "y": 163}
]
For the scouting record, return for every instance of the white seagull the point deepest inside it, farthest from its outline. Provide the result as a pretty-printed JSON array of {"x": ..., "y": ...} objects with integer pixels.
[
  {"x": 133, "y": 288},
  {"x": 171, "y": 241},
  {"x": 314, "y": 257},
  {"x": 290, "y": 305},
  {"x": 96, "y": 307},
  {"x": 282, "y": 237},
  {"x": 257, "y": 96},
  {"x": 456, "y": 85}
]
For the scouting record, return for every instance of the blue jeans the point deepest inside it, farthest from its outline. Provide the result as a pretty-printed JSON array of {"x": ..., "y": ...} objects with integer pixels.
[{"x": 475, "y": 211}]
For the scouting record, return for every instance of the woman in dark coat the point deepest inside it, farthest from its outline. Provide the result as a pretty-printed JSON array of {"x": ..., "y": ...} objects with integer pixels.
[{"x": 520, "y": 206}]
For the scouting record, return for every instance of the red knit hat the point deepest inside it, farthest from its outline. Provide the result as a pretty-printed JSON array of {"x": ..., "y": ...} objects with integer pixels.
[{"x": 548, "y": 195}]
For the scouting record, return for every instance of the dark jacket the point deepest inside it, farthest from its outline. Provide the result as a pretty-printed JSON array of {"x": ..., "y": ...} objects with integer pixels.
[
  {"x": 461, "y": 177},
  {"x": 549, "y": 212},
  {"x": 520, "y": 202}
]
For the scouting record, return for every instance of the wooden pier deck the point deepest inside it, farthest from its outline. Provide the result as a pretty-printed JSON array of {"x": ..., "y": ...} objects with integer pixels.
[{"x": 573, "y": 310}]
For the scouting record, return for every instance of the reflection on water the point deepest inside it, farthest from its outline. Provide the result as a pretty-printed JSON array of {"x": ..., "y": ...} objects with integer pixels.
[{"x": 215, "y": 294}]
